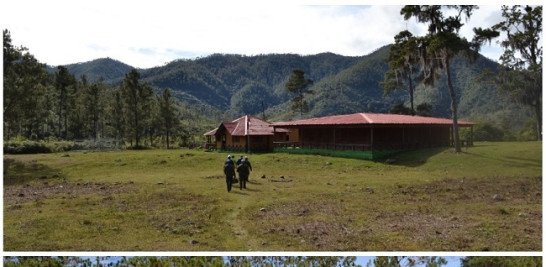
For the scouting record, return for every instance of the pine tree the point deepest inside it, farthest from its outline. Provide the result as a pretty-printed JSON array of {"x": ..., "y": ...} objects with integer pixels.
[
  {"x": 24, "y": 87},
  {"x": 298, "y": 85},
  {"x": 136, "y": 105},
  {"x": 168, "y": 114},
  {"x": 402, "y": 60}
]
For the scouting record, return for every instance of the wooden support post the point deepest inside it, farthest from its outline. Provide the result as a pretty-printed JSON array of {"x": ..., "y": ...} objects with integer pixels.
[
  {"x": 471, "y": 136},
  {"x": 371, "y": 138},
  {"x": 334, "y": 138}
]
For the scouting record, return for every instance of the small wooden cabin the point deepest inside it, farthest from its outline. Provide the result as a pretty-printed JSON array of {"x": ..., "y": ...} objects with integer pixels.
[{"x": 247, "y": 133}]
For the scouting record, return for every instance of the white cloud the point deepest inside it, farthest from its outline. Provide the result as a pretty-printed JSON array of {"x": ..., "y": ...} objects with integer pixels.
[{"x": 146, "y": 34}]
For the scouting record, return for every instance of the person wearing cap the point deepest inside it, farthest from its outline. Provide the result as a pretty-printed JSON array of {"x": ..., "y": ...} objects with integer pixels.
[
  {"x": 232, "y": 158},
  {"x": 229, "y": 171}
]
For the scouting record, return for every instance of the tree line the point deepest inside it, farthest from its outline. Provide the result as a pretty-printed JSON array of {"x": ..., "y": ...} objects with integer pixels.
[
  {"x": 43, "y": 106},
  {"x": 271, "y": 261},
  {"x": 427, "y": 58}
]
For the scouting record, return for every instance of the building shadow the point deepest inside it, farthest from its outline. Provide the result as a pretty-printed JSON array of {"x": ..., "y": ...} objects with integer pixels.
[{"x": 413, "y": 158}]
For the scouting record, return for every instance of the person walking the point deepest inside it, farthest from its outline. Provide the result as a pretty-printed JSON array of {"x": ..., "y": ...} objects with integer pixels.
[
  {"x": 239, "y": 161},
  {"x": 244, "y": 172},
  {"x": 229, "y": 171},
  {"x": 231, "y": 158},
  {"x": 249, "y": 167}
]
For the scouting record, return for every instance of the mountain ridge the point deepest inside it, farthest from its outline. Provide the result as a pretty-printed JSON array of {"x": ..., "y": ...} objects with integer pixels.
[
  {"x": 107, "y": 68},
  {"x": 236, "y": 85}
]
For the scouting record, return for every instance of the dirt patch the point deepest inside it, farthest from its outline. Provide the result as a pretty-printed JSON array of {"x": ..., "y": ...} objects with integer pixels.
[
  {"x": 467, "y": 214},
  {"x": 471, "y": 190},
  {"x": 174, "y": 211},
  {"x": 49, "y": 190},
  {"x": 289, "y": 210},
  {"x": 213, "y": 177},
  {"x": 321, "y": 235},
  {"x": 311, "y": 224},
  {"x": 452, "y": 214}
]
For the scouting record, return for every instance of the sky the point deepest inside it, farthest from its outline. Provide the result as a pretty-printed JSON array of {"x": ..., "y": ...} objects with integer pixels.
[{"x": 146, "y": 34}]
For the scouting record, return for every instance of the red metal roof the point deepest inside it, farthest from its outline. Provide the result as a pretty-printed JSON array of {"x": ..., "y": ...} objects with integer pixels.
[
  {"x": 372, "y": 119},
  {"x": 246, "y": 125},
  {"x": 211, "y": 132}
]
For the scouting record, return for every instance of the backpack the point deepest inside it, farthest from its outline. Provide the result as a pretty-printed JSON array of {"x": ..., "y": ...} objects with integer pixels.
[
  {"x": 228, "y": 167},
  {"x": 243, "y": 168}
]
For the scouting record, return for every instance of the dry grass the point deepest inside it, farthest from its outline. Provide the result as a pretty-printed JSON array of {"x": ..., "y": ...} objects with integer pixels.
[
  {"x": 451, "y": 214},
  {"x": 488, "y": 198}
]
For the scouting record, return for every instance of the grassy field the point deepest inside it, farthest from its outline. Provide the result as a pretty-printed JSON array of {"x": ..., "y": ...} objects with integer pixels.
[{"x": 488, "y": 198}]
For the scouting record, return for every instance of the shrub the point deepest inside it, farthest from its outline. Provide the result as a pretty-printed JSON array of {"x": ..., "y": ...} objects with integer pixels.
[
  {"x": 528, "y": 131},
  {"x": 25, "y": 147},
  {"x": 17, "y": 146},
  {"x": 487, "y": 132},
  {"x": 60, "y": 146}
]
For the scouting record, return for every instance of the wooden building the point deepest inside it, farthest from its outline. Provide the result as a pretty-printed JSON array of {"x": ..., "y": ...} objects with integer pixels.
[
  {"x": 366, "y": 135},
  {"x": 248, "y": 133}
]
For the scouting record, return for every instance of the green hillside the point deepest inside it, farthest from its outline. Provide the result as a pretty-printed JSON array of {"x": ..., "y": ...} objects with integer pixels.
[
  {"x": 239, "y": 84},
  {"x": 234, "y": 85},
  {"x": 110, "y": 70}
]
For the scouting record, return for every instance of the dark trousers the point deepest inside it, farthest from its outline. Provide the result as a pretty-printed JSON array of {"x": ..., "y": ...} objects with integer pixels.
[
  {"x": 242, "y": 180},
  {"x": 229, "y": 180}
]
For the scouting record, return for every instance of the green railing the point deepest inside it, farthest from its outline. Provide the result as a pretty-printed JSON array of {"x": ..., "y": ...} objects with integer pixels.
[{"x": 371, "y": 155}]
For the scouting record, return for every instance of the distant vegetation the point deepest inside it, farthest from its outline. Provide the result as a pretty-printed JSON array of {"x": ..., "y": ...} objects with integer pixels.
[
  {"x": 185, "y": 98},
  {"x": 229, "y": 86},
  {"x": 46, "y": 109},
  {"x": 288, "y": 261}
]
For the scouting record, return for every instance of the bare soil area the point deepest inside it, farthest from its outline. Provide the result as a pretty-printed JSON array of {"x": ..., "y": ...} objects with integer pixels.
[
  {"x": 30, "y": 192},
  {"x": 452, "y": 214}
]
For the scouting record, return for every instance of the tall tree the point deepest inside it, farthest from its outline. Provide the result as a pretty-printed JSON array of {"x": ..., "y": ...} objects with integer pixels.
[
  {"x": 137, "y": 99},
  {"x": 440, "y": 45},
  {"x": 24, "y": 87},
  {"x": 312, "y": 261},
  {"x": 115, "y": 115},
  {"x": 94, "y": 102},
  {"x": 403, "y": 61},
  {"x": 64, "y": 83},
  {"x": 297, "y": 84},
  {"x": 77, "y": 115},
  {"x": 403, "y": 261},
  {"x": 168, "y": 114},
  {"x": 206, "y": 261},
  {"x": 496, "y": 261},
  {"x": 520, "y": 73}
]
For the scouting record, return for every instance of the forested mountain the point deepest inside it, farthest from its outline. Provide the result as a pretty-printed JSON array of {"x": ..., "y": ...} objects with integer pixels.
[
  {"x": 115, "y": 100},
  {"x": 238, "y": 84},
  {"x": 106, "y": 68},
  {"x": 234, "y": 85}
]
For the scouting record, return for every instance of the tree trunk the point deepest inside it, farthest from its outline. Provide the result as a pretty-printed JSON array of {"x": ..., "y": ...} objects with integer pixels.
[
  {"x": 538, "y": 114},
  {"x": 60, "y": 121},
  {"x": 168, "y": 138},
  {"x": 151, "y": 133},
  {"x": 410, "y": 89},
  {"x": 137, "y": 134},
  {"x": 65, "y": 133},
  {"x": 456, "y": 142}
]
